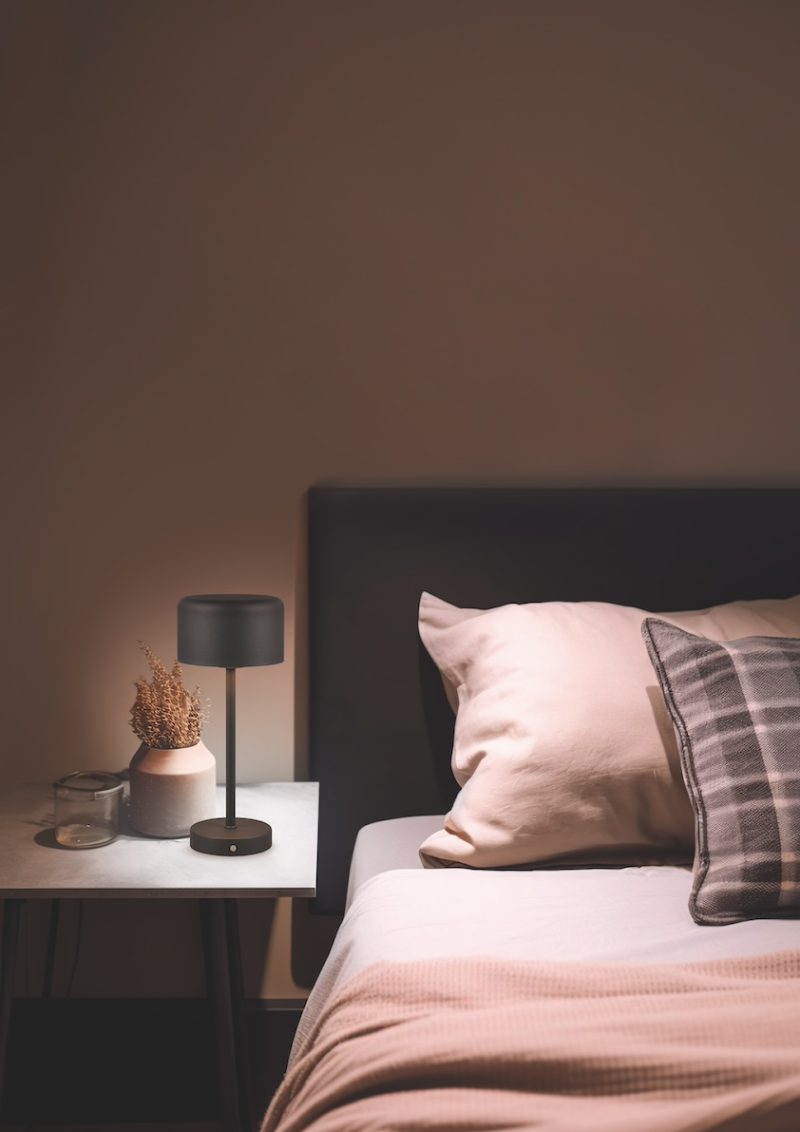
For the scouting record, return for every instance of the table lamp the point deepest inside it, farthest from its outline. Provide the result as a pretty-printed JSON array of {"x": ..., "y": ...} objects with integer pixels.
[{"x": 230, "y": 631}]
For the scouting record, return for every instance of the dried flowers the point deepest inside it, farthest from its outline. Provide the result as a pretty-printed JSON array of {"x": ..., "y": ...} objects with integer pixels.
[{"x": 164, "y": 714}]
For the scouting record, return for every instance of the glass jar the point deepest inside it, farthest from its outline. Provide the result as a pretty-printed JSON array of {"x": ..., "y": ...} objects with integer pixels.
[{"x": 87, "y": 809}]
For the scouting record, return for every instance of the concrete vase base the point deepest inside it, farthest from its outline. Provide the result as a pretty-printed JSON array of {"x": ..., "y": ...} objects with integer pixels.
[{"x": 172, "y": 789}]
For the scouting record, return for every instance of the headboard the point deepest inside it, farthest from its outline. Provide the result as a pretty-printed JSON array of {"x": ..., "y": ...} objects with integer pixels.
[{"x": 380, "y": 729}]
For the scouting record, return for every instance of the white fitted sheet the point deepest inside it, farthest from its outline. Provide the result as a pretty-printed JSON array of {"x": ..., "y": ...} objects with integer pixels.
[
  {"x": 386, "y": 845},
  {"x": 599, "y": 915}
]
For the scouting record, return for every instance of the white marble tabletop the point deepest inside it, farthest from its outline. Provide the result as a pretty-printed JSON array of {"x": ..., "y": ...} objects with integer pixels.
[{"x": 33, "y": 864}]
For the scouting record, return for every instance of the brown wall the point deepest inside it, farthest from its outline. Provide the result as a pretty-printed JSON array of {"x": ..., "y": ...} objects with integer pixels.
[{"x": 254, "y": 245}]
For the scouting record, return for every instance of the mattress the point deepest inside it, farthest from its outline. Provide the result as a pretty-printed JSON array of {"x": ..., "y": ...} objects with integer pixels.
[
  {"x": 386, "y": 845},
  {"x": 398, "y": 913}
]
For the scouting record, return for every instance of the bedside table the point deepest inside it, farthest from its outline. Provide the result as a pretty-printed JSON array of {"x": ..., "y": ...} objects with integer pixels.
[{"x": 34, "y": 866}]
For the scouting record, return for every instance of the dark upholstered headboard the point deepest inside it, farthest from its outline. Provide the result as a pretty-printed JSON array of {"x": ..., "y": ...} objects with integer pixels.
[{"x": 380, "y": 728}]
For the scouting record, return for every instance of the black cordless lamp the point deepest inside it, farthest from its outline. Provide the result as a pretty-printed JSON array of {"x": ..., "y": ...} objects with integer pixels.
[{"x": 230, "y": 631}]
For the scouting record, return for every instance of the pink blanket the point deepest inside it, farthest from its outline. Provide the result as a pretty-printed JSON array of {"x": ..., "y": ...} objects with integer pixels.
[{"x": 476, "y": 1044}]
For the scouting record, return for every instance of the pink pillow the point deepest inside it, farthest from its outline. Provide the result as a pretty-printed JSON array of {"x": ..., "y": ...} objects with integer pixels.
[{"x": 563, "y": 748}]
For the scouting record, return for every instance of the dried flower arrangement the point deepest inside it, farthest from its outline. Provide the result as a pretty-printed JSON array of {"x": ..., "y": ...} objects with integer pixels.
[{"x": 164, "y": 714}]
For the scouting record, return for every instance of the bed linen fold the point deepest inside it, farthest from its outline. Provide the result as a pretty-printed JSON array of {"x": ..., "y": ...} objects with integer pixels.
[{"x": 477, "y": 1044}]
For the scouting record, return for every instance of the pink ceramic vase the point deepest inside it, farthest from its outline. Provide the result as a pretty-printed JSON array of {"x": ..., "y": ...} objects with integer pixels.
[{"x": 172, "y": 789}]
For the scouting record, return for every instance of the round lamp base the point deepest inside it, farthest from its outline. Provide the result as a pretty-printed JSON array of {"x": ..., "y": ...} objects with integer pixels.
[{"x": 247, "y": 836}]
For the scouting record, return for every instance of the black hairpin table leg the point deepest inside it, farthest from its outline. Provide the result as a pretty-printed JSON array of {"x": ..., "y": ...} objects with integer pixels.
[
  {"x": 223, "y": 974},
  {"x": 52, "y": 942},
  {"x": 8, "y": 963},
  {"x": 237, "y": 1003}
]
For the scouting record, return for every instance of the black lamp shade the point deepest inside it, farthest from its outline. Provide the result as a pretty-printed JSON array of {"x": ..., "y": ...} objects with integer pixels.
[{"x": 230, "y": 630}]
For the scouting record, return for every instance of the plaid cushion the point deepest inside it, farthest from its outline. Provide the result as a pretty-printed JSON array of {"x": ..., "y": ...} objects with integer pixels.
[{"x": 736, "y": 709}]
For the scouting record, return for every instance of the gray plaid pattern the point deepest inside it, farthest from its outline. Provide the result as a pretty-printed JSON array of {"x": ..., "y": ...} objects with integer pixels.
[{"x": 736, "y": 708}]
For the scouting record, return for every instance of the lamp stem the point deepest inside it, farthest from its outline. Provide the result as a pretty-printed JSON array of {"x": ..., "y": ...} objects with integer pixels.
[{"x": 230, "y": 748}]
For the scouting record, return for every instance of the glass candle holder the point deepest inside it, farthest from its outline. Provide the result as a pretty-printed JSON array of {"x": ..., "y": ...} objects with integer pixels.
[{"x": 87, "y": 809}]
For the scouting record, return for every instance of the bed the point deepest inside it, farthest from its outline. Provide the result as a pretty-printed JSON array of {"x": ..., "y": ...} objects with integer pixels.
[{"x": 564, "y": 986}]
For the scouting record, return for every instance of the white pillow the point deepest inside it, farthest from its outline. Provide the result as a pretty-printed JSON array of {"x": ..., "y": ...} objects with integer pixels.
[{"x": 563, "y": 748}]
